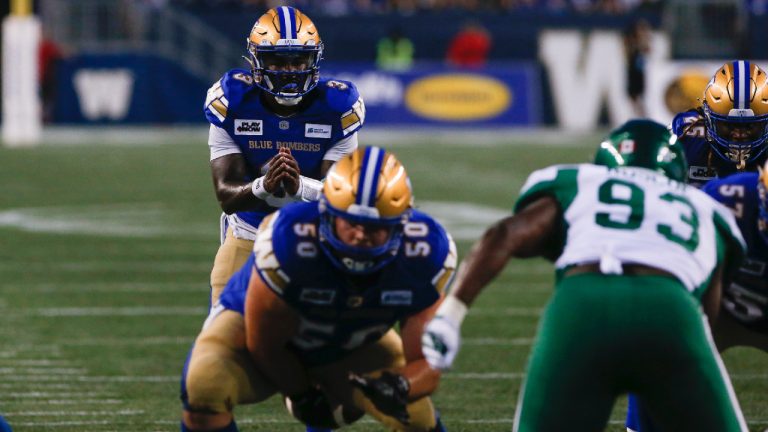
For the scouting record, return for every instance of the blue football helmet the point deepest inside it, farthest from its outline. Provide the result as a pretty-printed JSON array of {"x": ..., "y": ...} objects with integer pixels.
[{"x": 284, "y": 50}]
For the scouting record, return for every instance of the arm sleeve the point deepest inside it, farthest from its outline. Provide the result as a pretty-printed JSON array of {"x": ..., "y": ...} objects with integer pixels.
[
  {"x": 341, "y": 148},
  {"x": 221, "y": 143}
]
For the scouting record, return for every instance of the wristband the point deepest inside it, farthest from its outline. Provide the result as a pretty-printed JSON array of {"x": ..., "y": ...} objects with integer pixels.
[
  {"x": 257, "y": 188},
  {"x": 453, "y": 309},
  {"x": 309, "y": 189}
]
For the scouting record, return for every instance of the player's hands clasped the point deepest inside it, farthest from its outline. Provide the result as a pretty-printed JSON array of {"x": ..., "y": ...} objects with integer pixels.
[
  {"x": 283, "y": 174},
  {"x": 389, "y": 393},
  {"x": 440, "y": 342}
]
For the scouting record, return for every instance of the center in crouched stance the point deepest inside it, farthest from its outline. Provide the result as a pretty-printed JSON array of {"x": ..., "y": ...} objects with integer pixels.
[{"x": 310, "y": 315}]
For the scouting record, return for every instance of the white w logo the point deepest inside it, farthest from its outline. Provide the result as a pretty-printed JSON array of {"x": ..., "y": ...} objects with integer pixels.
[{"x": 104, "y": 92}]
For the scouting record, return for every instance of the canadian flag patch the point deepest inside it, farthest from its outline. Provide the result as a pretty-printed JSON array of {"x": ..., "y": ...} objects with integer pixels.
[{"x": 627, "y": 146}]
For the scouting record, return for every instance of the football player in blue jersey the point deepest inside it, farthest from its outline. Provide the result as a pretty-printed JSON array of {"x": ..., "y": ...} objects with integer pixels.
[
  {"x": 743, "y": 320},
  {"x": 310, "y": 315},
  {"x": 275, "y": 131},
  {"x": 728, "y": 132}
]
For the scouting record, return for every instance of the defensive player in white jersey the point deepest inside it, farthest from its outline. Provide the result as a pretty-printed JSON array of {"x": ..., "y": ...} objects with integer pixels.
[
  {"x": 275, "y": 131},
  {"x": 637, "y": 254}
]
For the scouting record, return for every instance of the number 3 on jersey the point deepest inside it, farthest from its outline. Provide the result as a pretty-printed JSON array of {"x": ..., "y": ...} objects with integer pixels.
[{"x": 627, "y": 210}]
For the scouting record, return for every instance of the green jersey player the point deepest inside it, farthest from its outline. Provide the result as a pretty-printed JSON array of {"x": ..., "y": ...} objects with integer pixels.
[{"x": 638, "y": 255}]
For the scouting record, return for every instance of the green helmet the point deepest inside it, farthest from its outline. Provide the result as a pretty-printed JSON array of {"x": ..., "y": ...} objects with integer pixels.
[{"x": 647, "y": 144}]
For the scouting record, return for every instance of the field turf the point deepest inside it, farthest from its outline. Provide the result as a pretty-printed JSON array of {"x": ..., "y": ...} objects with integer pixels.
[{"x": 104, "y": 258}]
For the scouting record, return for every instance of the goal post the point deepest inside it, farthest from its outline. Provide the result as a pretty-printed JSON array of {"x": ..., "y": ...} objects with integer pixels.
[{"x": 22, "y": 113}]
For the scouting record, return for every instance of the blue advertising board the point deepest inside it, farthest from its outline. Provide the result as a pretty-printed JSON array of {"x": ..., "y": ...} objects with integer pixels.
[
  {"x": 499, "y": 95},
  {"x": 138, "y": 89}
]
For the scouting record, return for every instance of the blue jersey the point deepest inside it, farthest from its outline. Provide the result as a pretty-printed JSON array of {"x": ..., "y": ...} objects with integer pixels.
[
  {"x": 329, "y": 113},
  {"x": 746, "y": 298},
  {"x": 340, "y": 312},
  {"x": 703, "y": 164}
]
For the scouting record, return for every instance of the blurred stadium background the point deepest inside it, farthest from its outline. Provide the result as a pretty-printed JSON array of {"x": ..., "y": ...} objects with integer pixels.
[{"x": 108, "y": 223}]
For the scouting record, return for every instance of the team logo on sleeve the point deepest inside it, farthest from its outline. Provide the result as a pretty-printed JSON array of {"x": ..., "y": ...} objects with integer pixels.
[
  {"x": 312, "y": 130},
  {"x": 249, "y": 127}
]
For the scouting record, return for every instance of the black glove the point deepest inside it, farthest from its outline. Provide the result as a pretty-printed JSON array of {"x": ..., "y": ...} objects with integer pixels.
[
  {"x": 313, "y": 409},
  {"x": 389, "y": 393}
]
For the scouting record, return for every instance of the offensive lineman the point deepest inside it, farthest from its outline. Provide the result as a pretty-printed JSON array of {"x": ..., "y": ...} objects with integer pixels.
[
  {"x": 637, "y": 254},
  {"x": 317, "y": 301}
]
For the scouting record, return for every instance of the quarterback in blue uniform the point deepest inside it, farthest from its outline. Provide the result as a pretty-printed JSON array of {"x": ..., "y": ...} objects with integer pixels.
[
  {"x": 728, "y": 133},
  {"x": 275, "y": 131},
  {"x": 311, "y": 314}
]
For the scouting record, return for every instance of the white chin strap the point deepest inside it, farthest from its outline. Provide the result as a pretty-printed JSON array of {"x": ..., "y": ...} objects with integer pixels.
[{"x": 288, "y": 101}]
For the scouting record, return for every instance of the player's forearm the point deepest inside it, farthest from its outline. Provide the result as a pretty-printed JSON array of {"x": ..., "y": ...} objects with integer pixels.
[
  {"x": 484, "y": 262},
  {"x": 422, "y": 378},
  {"x": 235, "y": 197}
]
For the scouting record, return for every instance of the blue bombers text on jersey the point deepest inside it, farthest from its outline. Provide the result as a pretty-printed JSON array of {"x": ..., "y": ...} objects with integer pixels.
[
  {"x": 703, "y": 164},
  {"x": 334, "y": 110},
  {"x": 340, "y": 312},
  {"x": 746, "y": 298}
]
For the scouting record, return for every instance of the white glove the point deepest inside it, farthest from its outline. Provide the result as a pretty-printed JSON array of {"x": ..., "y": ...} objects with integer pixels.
[{"x": 440, "y": 342}]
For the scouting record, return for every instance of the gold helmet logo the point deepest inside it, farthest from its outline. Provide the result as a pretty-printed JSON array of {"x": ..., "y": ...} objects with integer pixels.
[{"x": 284, "y": 26}]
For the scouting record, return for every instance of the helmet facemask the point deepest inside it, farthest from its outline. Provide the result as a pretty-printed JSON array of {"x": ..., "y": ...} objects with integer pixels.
[
  {"x": 735, "y": 106},
  {"x": 287, "y": 73},
  {"x": 740, "y": 139},
  {"x": 360, "y": 260}
]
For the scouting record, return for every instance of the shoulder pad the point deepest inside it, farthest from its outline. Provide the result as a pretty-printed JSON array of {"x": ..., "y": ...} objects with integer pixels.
[
  {"x": 267, "y": 263},
  {"x": 226, "y": 94},
  {"x": 741, "y": 186},
  {"x": 682, "y": 124},
  {"x": 559, "y": 181},
  {"x": 425, "y": 237},
  {"x": 343, "y": 97}
]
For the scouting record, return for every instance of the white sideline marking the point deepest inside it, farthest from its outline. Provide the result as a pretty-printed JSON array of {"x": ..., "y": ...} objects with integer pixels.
[
  {"x": 41, "y": 371},
  {"x": 121, "y": 266},
  {"x": 41, "y": 394},
  {"x": 465, "y": 221},
  {"x": 140, "y": 219},
  {"x": 33, "y": 362},
  {"x": 109, "y": 413},
  {"x": 120, "y": 311},
  {"x": 81, "y": 402},
  {"x": 109, "y": 287}
]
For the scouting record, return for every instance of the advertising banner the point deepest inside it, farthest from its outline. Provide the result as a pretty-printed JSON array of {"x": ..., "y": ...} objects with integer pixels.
[{"x": 499, "y": 95}]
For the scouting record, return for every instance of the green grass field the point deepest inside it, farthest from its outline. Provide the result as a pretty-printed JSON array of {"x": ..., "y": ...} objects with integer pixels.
[{"x": 104, "y": 260}]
